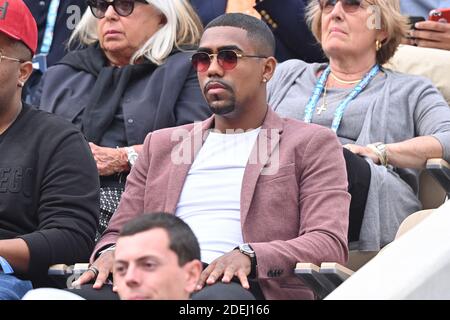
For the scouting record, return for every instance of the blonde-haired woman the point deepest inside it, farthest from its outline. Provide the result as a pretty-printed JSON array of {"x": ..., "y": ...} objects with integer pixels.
[
  {"x": 132, "y": 78},
  {"x": 389, "y": 123}
]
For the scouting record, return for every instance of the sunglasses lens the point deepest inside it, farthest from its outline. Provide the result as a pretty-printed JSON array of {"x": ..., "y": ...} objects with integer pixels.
[
  {"x": 98, "y": 8},
  {"x": 200, "y": 61},
  {"x": 227, "y": 59},
  {"x": 351, "y": 5},
  {"x": 327, "y": 5},
  {"x": 124, "y": 7},
  {"x": 347, "y": 5}
]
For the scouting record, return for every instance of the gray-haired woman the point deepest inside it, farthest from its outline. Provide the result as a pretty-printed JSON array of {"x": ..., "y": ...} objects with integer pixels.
[
  {"x": 390, "y": 123},
  {"x": 132, "y": 78}
]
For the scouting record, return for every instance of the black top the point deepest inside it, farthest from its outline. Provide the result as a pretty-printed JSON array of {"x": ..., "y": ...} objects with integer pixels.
[{"x": 49, "y": 190}]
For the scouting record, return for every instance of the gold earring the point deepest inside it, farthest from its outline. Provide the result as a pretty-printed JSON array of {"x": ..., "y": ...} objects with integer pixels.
[{"x": 378, "y": 45}]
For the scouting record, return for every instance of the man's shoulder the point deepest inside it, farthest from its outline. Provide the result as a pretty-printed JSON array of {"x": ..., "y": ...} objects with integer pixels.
[{"x": 43, "y": 121}]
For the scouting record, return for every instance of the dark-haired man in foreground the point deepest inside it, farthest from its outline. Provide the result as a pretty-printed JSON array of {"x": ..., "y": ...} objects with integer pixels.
[{"x": 157, "y": 257}]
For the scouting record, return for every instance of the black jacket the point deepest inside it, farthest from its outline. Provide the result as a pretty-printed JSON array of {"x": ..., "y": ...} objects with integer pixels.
[{"x": 169, "y": 96}]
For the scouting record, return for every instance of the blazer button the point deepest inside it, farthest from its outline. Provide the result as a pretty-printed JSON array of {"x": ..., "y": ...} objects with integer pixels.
[{"x": 130, "y": 121}]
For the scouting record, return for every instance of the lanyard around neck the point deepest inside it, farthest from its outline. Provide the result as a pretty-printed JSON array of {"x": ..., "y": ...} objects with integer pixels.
[
  {"x": 320, "y": 85},
  {"x": 50, "y": 26}
]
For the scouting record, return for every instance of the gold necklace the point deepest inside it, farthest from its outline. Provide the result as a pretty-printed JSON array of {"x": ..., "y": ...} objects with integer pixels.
[
  {"x": 344, "y": 81},
  {"x": 324, "y": 106}
]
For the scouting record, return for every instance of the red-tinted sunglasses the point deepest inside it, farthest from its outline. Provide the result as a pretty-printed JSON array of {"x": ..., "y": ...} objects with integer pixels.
[{"x": 227, "y": 59}]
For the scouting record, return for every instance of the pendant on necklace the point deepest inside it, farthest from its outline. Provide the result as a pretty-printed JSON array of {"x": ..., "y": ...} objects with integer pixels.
[{"x": 322, "y": 108}]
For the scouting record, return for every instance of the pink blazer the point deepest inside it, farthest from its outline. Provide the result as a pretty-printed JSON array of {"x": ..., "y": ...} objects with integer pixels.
[{"x": 298, "y": 213}]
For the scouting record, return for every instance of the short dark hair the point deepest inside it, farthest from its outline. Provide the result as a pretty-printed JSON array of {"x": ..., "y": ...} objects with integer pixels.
[
  {"x": 182, "y": 240},
  {"x": 257, "y": 30},
  {"x": 21, "y": 51}
]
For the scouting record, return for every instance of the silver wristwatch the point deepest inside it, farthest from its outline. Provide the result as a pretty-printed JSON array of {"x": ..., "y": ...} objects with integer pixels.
[
  {"x": 247, "y": 250},
  {"x": 132, "y": 156}
]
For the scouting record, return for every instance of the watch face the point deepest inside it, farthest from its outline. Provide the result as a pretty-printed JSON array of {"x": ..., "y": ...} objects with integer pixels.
[
  {"x": 133, "y": 159},
  {"x": 247, "y": 249},
  {"x": 132, "y": 156}
]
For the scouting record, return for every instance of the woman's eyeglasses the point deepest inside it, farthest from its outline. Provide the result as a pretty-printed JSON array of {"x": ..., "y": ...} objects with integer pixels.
[
  {"x": 123, "y": 7},
  {"x": 348, "y": 5},
  {"x": 227, "y": 59}
]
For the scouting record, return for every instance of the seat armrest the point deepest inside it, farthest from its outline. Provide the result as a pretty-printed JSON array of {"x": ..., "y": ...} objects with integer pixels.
[
  {"x": 58, "y": 270},
  {"x": 335, "y": 272},
  {"x": 64, "y": 269},
  {"x": 440, "y": 170},
  {"x": 309, "y": 273}
]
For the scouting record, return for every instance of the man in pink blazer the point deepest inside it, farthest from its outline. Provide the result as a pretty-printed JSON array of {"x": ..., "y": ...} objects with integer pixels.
[{"x": 257, "y": 211}]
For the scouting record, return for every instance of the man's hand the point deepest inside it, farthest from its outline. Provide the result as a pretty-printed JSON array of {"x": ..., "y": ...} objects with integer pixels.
[
  {"x": 109, "y": 160},
  {"x": 431, "y": 34},
  {"x": 231, "y": 264},
  {"x": 104, "y": 265}
]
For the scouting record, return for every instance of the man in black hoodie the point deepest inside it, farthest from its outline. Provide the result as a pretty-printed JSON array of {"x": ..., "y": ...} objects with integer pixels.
[{"x": 49, "y": 188}]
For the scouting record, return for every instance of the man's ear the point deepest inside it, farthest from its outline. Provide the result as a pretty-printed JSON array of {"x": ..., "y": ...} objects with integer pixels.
[
  {"x": 269, "y": 68},
  {"x": 25, "y": 70},
  {"x": 193, "y": 271}
]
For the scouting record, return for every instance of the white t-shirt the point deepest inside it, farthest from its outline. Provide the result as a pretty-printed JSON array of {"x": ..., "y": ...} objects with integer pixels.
[{"x": 210, "y": 200}]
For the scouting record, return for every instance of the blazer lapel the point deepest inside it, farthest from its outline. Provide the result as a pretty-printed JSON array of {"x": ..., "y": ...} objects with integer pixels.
[
  {"x": 267, "y": 144},
  {"x": 178, "y": 171}
]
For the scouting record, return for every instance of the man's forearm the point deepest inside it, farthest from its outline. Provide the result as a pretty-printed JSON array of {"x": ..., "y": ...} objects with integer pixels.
[{"x": 16, "y": 252}]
